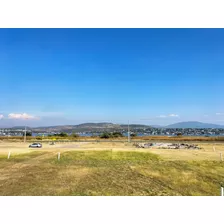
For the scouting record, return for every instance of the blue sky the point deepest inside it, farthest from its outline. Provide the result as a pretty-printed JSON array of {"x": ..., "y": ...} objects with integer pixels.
[{"x": 150, "y": 76}]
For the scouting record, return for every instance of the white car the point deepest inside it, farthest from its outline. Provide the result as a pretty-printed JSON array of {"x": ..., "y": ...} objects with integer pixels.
[{"x": 35, "y": 145}]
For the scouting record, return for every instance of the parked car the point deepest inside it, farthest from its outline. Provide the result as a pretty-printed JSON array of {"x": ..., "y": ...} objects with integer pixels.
[{"x": 35, "y": 145}]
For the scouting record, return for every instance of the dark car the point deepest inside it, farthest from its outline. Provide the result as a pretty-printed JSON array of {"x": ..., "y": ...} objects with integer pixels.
[{"x": 35, "y": 145}]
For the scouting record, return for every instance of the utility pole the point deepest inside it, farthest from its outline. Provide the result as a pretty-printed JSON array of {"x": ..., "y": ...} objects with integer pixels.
[
  {"x": 128, "y": 132},
  {"x": 25, "y": 135}
]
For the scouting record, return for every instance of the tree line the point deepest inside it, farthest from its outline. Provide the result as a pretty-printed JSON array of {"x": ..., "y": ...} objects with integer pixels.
[{"x": 115, "y": 134}]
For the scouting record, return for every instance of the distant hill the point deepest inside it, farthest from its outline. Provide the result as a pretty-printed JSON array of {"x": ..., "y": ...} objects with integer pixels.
[
  {"x": 156, "y": 126},
  {"x": 21, "y": 127},
  {"x": 193, "y": 124},
  {"x": 134, "y": 126},
  {"x": 89, "y": 127},
  {"x": 96, "y": 125},
  {"x": 115, "y": 127}
]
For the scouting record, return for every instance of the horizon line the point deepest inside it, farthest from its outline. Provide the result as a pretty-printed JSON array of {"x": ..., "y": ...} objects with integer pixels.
[{"x": 110, "y": 123}]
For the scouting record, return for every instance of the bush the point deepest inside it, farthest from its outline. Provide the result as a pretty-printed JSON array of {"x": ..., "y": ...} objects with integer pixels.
[
  {"x": 105, "y": 135},
  {"x": 111, "y": 135},
  {"x": 133, "y": 135},
  {"x": 117, "y": 134},
  {"x": 74, "y": 135},
  {"x": 62, "y": 134},
  {"x": 28, "y": 133}
]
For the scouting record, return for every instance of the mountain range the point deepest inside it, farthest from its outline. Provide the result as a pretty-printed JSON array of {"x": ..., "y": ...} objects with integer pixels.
[
  {"x": 111, "y": 126},
  {"x": 194, "y": 124}
]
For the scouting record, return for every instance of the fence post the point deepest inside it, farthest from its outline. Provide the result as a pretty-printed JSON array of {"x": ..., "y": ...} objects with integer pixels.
[
  {"x": 59, "y": 156},
  {"x": 214, "y": 148},
  {"x": 9, "y": 154},
  {"x": 221, "y": 156},
  {"x": 222, "y": 191}
]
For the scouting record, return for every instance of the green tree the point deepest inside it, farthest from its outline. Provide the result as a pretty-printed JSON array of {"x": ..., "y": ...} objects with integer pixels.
[
  {"x": 28, "y": 133},
  {"x": 133, "y": 134},
  {"x": 117, "y": 134},
  {"x": 74, "y": 135},
  {"x": 63, "y": 134},
  {"x": 105, "y": 135},
  {"x": 111, "y": 135}
]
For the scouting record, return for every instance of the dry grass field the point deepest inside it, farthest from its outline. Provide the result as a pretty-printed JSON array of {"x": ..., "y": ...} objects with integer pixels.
[
  {"x": 109, "y": 168},
  {"x": 142, "y": 138}
]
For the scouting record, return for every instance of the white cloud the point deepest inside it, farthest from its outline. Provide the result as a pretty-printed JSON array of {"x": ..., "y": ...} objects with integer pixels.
[
  {"x": 173, "y": 115},
  {"x": 23, "y": 116},
  {"x": 219, "y": 114},
  {"x": 170, "y": 115},
  {"x": 1, "y": 116},
  {"x": 162, "y": 116}
]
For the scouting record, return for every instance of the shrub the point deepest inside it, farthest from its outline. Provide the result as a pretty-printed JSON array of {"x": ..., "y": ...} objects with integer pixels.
[
  {"x": 74, "y": 135},
  {"x": 133, "y": 135},
  {"x": 111, "y": 135},
  {"x": 62, "y": 134},
  {"x": 105, "y": 135},
  {"x": 28, "y": 133},
  {"x": 117, "y": 134}
]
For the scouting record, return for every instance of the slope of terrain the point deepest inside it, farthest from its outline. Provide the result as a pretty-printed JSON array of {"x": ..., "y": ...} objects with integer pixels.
[{"x": 110, "y": 169}]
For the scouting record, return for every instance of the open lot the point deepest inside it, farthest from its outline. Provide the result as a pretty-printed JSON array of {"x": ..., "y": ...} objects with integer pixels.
[{"x": 110, "y": 168}]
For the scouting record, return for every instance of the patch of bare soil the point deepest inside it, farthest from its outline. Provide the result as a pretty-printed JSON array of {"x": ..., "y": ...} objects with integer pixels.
[{"x": 67, "y": 146}]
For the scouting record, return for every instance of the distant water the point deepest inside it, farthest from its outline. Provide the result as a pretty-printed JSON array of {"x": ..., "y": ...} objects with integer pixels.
[
  {"x": 125, "y": 134},
  {"x": 47, "y": 134},
  {"x": 40, "y": 134}
]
